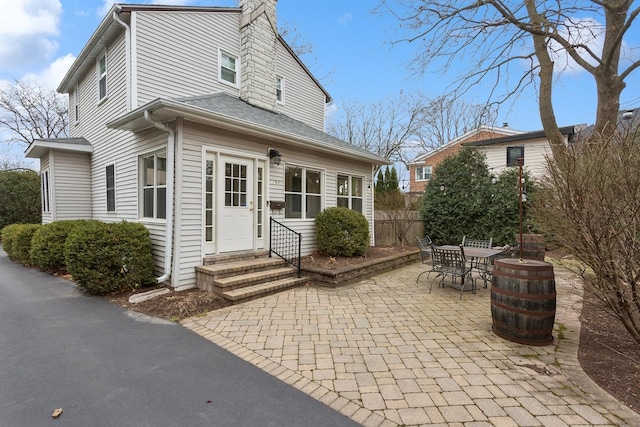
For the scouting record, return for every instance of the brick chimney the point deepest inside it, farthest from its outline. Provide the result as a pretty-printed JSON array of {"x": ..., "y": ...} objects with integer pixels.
[{"x": 258, "y": 38}]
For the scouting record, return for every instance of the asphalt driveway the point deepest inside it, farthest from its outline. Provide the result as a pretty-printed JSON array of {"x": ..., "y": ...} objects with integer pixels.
[{"x": 106, "y": 366}]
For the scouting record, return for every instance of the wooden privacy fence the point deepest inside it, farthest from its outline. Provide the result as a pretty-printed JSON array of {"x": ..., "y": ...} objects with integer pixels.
[{"x": 386, "y": 223}]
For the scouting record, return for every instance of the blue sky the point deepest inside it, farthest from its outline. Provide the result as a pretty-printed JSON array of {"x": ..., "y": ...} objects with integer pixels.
[{"x": 352, "y": 57}]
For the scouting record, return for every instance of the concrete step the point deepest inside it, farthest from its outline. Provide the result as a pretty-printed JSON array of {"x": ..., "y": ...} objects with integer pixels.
[
  {"x": 235, "y": 256},
  {"x": 252, "y": 278},
  {"x": 222, "y": 270},
  {"x": 262, "y": 289}
]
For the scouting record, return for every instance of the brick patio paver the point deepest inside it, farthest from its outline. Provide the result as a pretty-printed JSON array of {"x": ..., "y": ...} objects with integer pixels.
[{"x": 387, "y": 352}]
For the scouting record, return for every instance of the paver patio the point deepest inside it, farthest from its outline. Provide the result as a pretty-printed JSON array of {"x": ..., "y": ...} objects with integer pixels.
[{"x": 386, "y": 352}]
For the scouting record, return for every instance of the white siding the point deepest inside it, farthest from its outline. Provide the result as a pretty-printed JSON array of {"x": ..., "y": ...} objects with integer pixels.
[
  {"x": 72, "y": 185},
  {"x": 177, "y": 52},
  {"x": 535, "y": 153},
  {"x": 303, "y": 99}
]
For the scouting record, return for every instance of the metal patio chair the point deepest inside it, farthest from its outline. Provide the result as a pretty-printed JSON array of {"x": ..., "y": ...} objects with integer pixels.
[{"x": 452, "y": 262}]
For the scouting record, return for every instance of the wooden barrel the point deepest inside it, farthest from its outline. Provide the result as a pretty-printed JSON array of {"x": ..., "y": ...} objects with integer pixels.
[
  {"x": 523, "y": 301},
  {"x": 533, "y": 247}
]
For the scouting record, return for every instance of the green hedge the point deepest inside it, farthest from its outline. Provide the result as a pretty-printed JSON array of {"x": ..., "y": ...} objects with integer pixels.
[
  {"x": 108, "y": 257},
  {"x": 342, "y": 232},
  {"x": 16, "y": 241},
  {"x": 8, "y": 236},
  {"x": 47, "y": 246}
]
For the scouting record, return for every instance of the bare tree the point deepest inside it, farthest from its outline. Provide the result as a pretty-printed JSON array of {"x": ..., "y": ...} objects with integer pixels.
[
  {"x": 598, "y": 219},
  {"x": 29, "y": 111},
  {"x": 396, "y": 128},
  {"x": 495, "y": 38},
  {"x": 448, "y": 118},
  {"x": 382, "y": 127}
]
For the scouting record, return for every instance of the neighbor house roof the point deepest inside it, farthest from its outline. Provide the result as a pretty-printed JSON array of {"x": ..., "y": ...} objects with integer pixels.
[
  {"x": 109, "y": 28},
  {"x": 626, "y": 120},
  {"x": 467, "y": 135},
  {"x": 39, "y": 147},
  {"x": 567, "y": 130},
  {"x": 229, "y": 112}
]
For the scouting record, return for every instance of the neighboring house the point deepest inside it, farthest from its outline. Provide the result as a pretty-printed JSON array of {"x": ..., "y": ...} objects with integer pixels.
[
  {"x": 200, "y": 123},
  {"x": 532, "y": 147},
  {"x": 421, "y": 168}
]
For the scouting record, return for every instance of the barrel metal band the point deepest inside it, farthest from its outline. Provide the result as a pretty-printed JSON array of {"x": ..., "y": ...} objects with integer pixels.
[
  {"x": 503, "y": 273},
  {"x": 521, "y": 311}
]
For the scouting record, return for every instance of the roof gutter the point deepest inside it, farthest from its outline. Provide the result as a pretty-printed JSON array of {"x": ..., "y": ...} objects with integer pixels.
[
  {"x": 226, "y": 122},
  {"x": 169, "y": 202},
  {"x": 127, "y": 53}
]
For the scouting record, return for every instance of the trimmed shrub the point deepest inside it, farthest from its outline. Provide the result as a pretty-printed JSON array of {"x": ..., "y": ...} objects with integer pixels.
[
  {"x": 8, "y": 236},
  {"x": 47, "y": 246},
  {"x": 342, "y": 232},
  {"x": 104, "y": 258},
  {"x": 21, "y": 244}
]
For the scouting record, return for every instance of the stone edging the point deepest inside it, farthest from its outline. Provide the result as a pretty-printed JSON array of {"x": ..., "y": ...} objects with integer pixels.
[{"x": 345, "y": 276}]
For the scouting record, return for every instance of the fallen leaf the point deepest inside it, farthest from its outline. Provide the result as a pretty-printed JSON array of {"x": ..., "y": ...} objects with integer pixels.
[{"x": 56, "y": 413}]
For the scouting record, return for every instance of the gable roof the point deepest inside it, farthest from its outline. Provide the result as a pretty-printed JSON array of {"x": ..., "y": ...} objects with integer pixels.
[
  {"x": 567, "y": 130},
  {"x": 109, "y": 28},
  {"x": 230, "y": 112},
  {"x": 467, "y": 135}
]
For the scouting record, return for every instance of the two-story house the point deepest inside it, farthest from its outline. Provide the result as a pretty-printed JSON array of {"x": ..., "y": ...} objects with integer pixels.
[
  {"x": 421, "y": 168},
  {"x": 202, "y": 124},
  {"x": 532, "y": 147}
]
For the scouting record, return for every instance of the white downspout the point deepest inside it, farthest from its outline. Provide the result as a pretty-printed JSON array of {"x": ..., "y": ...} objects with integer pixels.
[
  {"x": 170, "y": 167},
  {"x": 127, "y": 55}
]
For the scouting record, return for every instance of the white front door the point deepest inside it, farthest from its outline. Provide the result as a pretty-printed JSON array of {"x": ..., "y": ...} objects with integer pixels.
[{"x": 236, "y": 204}]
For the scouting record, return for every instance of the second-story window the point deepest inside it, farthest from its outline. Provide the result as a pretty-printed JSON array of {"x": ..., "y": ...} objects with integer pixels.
[
  {"x": 423, "y": 173},
  {"x": 101, "y": 69},
  {"x": 280, "y": 89},
  {"x": 513, "y": 154},
  {"x": 228, "y": 68}
]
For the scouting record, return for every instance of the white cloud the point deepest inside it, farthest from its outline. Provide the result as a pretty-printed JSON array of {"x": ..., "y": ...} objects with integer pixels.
[
  {"x": 53, "y": 74},
  {"x": 345, "y": 19},
  {"x": 587, "y": 32},
  {"x": 27, "y": 31}
]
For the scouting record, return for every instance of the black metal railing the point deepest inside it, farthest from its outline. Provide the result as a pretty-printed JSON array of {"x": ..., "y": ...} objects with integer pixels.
[{"x": 285, "y": 243}]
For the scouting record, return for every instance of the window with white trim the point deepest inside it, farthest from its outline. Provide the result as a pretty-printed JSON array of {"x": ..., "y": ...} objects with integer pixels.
[
  {"x": 45, "y": 194},
  {"x": 228, "y": 69},
  {"x": 280, "y": 89},
  {"x": 423, "y": 173},
  {"x": 513, "y": 154},
  {"x": 101, "y": 70},
  {"x": 76, "y": 104},
  {"x": 110, "y": 177},
  {"x": 154, "y": 186},
  {"x": 349, "y": 192},
  {"x": 302, "y": 192}
]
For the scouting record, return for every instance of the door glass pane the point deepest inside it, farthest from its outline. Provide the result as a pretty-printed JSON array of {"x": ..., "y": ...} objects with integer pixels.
[{"x": 209, "y": 201}]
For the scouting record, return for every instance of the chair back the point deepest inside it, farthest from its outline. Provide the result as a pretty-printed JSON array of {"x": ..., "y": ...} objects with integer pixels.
[
  {"x": 425, "y": 244},
  {"x": 452, "y": 259},
  {"x": 475, "y": 243}
]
